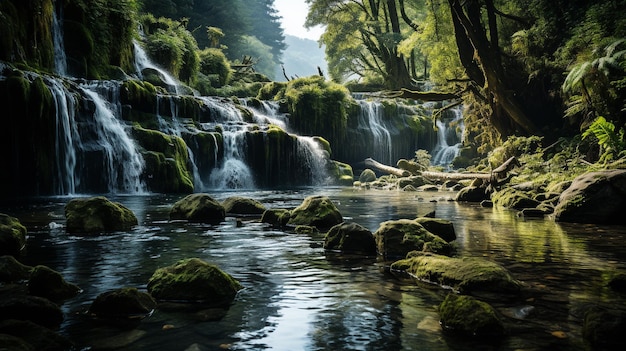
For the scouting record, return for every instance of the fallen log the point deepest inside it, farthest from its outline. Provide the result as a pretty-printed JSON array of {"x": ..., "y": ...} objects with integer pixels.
[
  {"x": 497, "y": 176},
  {"x": 370, "y": 162}
]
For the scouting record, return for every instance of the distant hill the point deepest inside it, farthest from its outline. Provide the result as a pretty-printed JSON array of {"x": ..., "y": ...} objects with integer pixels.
[{"x": 301, "y": 58}]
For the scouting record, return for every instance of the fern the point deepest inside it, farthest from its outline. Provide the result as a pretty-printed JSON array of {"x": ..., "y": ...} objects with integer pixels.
[{"x": 612, "y": 143}]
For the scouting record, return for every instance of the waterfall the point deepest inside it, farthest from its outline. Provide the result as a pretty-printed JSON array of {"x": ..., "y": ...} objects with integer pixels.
[
  {"x": 122, "y": 162},
  {"x": 449, "y": 138},
  {"x": 67, "y": 139},
  {"x": 371, "y": 126},
  {"x": 60, "y": 60},
  {"x": 142, "y": 62},
  {"x": 313, "y": 158}
]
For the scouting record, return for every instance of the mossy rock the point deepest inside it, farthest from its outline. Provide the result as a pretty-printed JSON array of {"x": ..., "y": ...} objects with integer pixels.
[
  {"x": 395, "y": 239},
  {"x": 98, "y": 214},
  {"x": 277, "y": 217},
  {"x": 595, "y": 197},
  {"x": 167, "y": 167},
  {"x": 243, "y": 206},
  {"x": 466, "y": 275},
  {"x": 13, "y": 271},
  {"x": 466, "y": 316},
  {"x": 193, "y": 280},
  {"x": 415, "y": 181},
  {"x": 350, "y": 238},
  {"x": 317, "y": 211},
  {"x": 604, "y": 329},
  {"x": 122, "y": 303},
  {"x": 198, "y": 208},
  {"x": 37, "y": 336},
  {"x": 407, "y": 165},
  {"x": 48, "y": 283},
  {"x": 341, "y": 173},
  {"x": 12, "y": 236},
  {"x": 306, "y": 229},
  {"x": 367, "y": 176},
  {"x": 472, "y": 194},
  {"x": 32, "y": 308},
  {"x": 513, "y": 198},
  {"x": 440, "y": 227}
]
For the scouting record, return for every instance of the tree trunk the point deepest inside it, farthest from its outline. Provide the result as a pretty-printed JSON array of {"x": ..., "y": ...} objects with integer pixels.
[{"x": 508, "y": 116}]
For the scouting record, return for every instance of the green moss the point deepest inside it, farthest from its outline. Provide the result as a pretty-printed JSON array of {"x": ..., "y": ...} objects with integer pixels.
[
  {"x": 463, "y": 274},
  {"x": 467, "y": 316},
  {"x": 167, "y": 161},
  {"x": 97, "y": 214},
  {"x": 193, "y": 279},
  {"x": 318, "y": 211},
  {"x": 272, "y": 91},
  {"x": 12, "y": 236}
]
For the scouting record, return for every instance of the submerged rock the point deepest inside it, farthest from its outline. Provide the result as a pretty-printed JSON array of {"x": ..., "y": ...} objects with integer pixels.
[
  {"x": 317, "y": 211},
  {"x": 595, "y": 197},
  {"x": 198, "y": 208},
  {"x": 466, "y": 275},
  {"x": 98, "y": 214},
  {"x": 193, "y": 280},
  {"x": 395, "y": 239},
  {"x": 464, "y": 315},
  {"x": 514, "y": 198},
  {"x": 604, "y": 329},
  {"x": 48, "y": 283},
  {"x": 12, "y": 236},
  {"x": 124, "y": 303},
  {"x": 350, "y": 238},
  {"x": 243, "y": 206}
]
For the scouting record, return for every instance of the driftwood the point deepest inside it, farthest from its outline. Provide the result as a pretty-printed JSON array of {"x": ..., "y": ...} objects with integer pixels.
[{"x": 497, "y": 176}]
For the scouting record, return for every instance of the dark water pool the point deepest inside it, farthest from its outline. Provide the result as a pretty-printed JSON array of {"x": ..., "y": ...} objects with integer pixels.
[{"x": 297, "y": 297}]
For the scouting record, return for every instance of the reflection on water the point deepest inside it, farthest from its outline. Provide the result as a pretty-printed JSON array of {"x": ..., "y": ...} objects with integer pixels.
[{"x": 298, "y": 298}]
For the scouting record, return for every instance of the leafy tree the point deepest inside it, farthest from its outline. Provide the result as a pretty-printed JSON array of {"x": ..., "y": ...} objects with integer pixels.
[{"x": 362, "y": 39}]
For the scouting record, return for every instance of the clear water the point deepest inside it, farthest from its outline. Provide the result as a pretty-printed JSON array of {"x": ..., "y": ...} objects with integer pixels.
[{"x": 297, "y": 297}]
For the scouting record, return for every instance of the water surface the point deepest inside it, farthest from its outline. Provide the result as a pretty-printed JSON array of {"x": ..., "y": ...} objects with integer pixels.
[{"x": 297, "y": 297}]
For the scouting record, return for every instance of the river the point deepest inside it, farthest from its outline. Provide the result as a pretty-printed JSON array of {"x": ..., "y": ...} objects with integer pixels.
[{"x": 297, "y": 297}]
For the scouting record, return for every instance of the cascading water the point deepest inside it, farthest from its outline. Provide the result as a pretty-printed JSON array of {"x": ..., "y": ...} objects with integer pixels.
[
  {"x": 372, "y": 127},
  {"x": 60, "y": 60},
  {"x": 122, "y": 162},
  {"x": 67, "y": 139},
  {"x": 449, "y": 136},
  {"x": 142, "y": 62}
]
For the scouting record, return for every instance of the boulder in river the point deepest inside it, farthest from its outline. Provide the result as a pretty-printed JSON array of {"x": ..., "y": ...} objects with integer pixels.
[
  {"x": 124, "y": 303},
  {"x": 466, "y": 275},
  {"x": 32, "y": 308},
  {"x": 466, "y": 316},
  {"x": 317, "y": 211},
  {"x": 367, "y": 176},
  {"x": 472, "y": 194},
  {"x": 13, "y": 271},
  {"x": 243, "y": 206},
  {"x": 193, "y": 280},
  {"x": 395, "y": 239},
  {"x": 12, "y": 236},
  {"x": 29, "y": 336},
  {"x": 350, "y": 238},
  {"x": 97, "y": 214},
  {"x": 48, "y": 283},
  {"x": 277, "y": 217},
  {"x": 594, "y": 197},
  {"x": 440, "y": 227},
  {"x": 198, "y": 208}
]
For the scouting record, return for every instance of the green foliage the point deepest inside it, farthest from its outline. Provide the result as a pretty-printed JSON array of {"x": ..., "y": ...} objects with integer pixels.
[
  {"x": 213, "y": 62},
  {"x": 265, "y": 62},
  {"x": 515, "y": 146},
  {"x": 422, "y": 158},
  {"x": 318, "y": 107},
  {"x": 612, "y": 143},
  {"x": 172, "y": 47}
]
